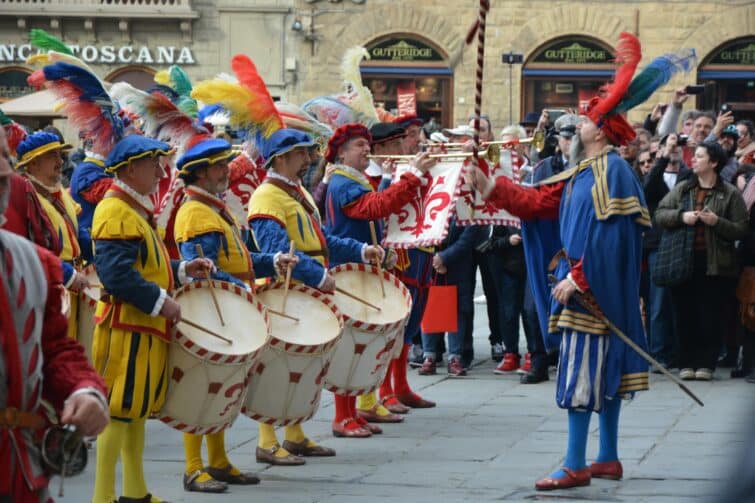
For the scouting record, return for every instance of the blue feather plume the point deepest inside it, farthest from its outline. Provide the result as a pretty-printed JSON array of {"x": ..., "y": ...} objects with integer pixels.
[{"x": 655, "y": 75}]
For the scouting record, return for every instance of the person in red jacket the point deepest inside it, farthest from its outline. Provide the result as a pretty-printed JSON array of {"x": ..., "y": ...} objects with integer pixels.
[
  {"x": 350, "y": 204},
  {"x": 37, "y": 360}
]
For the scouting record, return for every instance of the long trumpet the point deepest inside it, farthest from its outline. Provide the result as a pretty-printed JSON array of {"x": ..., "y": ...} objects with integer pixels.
[
  {"x": 537, "y": 141},
  {"x": 451, "y": 155}
]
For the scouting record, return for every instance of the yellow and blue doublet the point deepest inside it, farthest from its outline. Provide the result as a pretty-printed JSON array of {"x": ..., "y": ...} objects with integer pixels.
[
  {"x": 130, "y": 339},
  {"x": 277, "y": 218}
]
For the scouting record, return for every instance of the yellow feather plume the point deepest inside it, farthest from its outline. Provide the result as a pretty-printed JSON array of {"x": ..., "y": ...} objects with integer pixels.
[
  {"x": 231, "y": 96},
  {"x": 163, "y": 78}
]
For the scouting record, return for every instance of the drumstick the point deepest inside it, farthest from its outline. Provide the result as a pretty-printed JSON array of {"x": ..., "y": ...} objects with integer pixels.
[
  {"x": 205, "y": 330},
  {"x": 379, "y": 265},
  {"x": 198, "y": 249},
  {"x": 358, "y": 299},
  {"x": 288, "y": 278},
  {"x": 282, "y": 315}
]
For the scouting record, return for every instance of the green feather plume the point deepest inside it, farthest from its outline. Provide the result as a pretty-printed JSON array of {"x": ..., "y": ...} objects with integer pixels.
[{"x": 42, "y": 40}]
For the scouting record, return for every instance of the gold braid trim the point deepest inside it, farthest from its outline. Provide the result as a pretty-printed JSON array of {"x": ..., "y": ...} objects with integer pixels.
[{"x": 605, "y": 206}]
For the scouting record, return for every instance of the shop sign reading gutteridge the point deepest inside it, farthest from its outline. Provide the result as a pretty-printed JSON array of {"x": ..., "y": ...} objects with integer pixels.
[
  {"x": 400, "y": 49},
  {"x": 106, "y": 54},
  {"x": 573, "y": 52}
]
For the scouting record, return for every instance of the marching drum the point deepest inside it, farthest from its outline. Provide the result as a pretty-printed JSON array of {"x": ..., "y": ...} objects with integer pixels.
[
  {"x": 367, "y": 346},
  {"x": 286, "y": 384},
  {"x": 87, "y": 305},
  {"x": 207, "y": 377}
]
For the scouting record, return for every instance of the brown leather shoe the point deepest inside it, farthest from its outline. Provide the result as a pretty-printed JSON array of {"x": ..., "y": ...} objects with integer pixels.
[
  {"x": 372, "y": 416},
  {"x": 191, "y": 484},
  {"x": 301, "y": 449},
  {"x": 225, "y": 475},
  {"x": 268, "y": 456},
  {"x": 392, "y": 403},
  {"x": 573, "y": 478},
  {"x": 350, "y": 428},
  {"x": 373, "y": 428},
  {"x": 415, "y": 401}
]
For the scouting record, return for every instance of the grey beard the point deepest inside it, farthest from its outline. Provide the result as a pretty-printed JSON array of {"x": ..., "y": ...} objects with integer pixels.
[{"x": 576, "y": 151}]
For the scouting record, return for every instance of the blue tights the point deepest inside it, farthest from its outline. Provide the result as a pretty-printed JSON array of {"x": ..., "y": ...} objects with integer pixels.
[{"x": 579, "y": 427}]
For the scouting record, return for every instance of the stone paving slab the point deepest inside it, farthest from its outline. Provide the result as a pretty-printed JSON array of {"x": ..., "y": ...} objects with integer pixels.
[{"x": 489, "y": 439}]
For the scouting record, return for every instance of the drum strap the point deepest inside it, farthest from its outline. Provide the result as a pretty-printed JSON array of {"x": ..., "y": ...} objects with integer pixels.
[{"x": 299, "y": 197}]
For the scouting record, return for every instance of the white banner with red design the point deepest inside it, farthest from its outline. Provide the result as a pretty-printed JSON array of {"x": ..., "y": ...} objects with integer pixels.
[
  {"x": 424, "y": 221},
  {"x": 471, "y": 209}
]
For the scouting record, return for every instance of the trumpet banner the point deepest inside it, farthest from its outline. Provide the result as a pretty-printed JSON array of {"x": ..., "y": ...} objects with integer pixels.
[
  {"x": 471, "y": 209},
  {"x": 424, "y": 221}
]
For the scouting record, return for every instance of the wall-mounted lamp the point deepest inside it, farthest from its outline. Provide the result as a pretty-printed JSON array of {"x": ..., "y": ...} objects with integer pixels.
[{"x": 297, "y": 25}]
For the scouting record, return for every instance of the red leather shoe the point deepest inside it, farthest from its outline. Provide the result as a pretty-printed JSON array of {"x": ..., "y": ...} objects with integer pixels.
[
  {"x": 415, "y": 401},
  {"x": 609, "y": 470},
  {"x": 349, "y": 428},
  {"x": 372, "y": 428},
  {"x": 573, "y": 478}
]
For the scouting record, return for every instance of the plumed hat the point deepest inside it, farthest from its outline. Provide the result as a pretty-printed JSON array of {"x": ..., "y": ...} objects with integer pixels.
[
  {"x": 344, "y": 134},
  {"x": 283, "y": 141},
  {"x": 133, "y": 148},
  {"x": 204, "y": 153},
  {"x": 615, "y": 99},
  {"x": 37, "y": 144}
]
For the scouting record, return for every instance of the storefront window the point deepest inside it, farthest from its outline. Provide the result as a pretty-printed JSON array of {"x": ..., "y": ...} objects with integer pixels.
[
  {"x": 141, "y": 77},
  {"x": 565, "y": 73},
  {"x": 729, "y": 77},
  {"x": 13, "y": 83},
  {"x": 407, "y": 74}
]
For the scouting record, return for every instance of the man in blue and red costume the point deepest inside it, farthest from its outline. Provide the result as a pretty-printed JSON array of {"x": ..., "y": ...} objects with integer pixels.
[
  {"x": 281, "y": 211},
  {"x": 350, "y": 204},
  {"x": 37, "y": 360},
  {"x": 595, "y": 251},
  {"x": 89, "y": 184},
  {"x": 415, "y": 267},
  {"x": 134, "y": 314}
]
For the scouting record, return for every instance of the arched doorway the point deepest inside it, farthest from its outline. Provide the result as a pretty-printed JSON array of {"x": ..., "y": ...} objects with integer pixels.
[
  {"x": 407, "y": 73},
  {"x": 13, "y": 82},
  {"x": 728, "y": 73},
  {"x": 565, "y": 73},
  {"x": 139, "y": 76}
]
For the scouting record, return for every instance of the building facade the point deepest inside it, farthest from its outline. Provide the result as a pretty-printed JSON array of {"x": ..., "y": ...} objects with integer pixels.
[{"x": 539, "y": 54}]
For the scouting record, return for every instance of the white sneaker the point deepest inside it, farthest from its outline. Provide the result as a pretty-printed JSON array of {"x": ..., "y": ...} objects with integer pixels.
[
  {"x": 480, "y": 300},
  {"x": 704, "y": 375},
  {"x": 686, "y": 374}
]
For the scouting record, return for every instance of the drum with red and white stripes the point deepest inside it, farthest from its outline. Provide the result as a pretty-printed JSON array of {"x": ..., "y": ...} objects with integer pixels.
[
  {"x": 208, "y": 377},
  {"x": 367, "y": 346},
  {"x": 286, "y": 384}
]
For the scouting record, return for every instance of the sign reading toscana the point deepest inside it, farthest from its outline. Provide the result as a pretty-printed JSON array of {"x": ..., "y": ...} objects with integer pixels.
[{"x": 160, "y": 55}]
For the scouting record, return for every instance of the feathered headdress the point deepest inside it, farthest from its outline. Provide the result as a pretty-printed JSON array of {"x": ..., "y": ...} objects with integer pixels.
[
  {"x": 161, "y": 119},
  {"x": 86, "y": 103},
  {"x": 247, "y": 101},
  {"x": 625, "y": 93},
  {"x": 14, "y": 132},
  {"x": 296, "y": 118},
  {"x": 177, "y": 80},
  {"x": 358, "y": 96},
  {"x": 334, "y": 112}
]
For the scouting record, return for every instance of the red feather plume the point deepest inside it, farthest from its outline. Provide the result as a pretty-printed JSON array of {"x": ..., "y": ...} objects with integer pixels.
[
  {"x": 15, "y": 134},
  {"x": 628, "y": 55},
  {"x": 261, "y": 108}
]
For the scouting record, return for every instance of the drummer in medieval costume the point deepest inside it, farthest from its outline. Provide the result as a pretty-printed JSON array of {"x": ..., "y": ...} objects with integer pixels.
[
  {"x": 595, "y": 253},
  {"x": 40, "y": 161},
  {"x": 351, "y": 203},
  {"x": 204, "y": 223},
  {"x": 281, "y": 211},
  {"x": 134, "y": 313}
]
